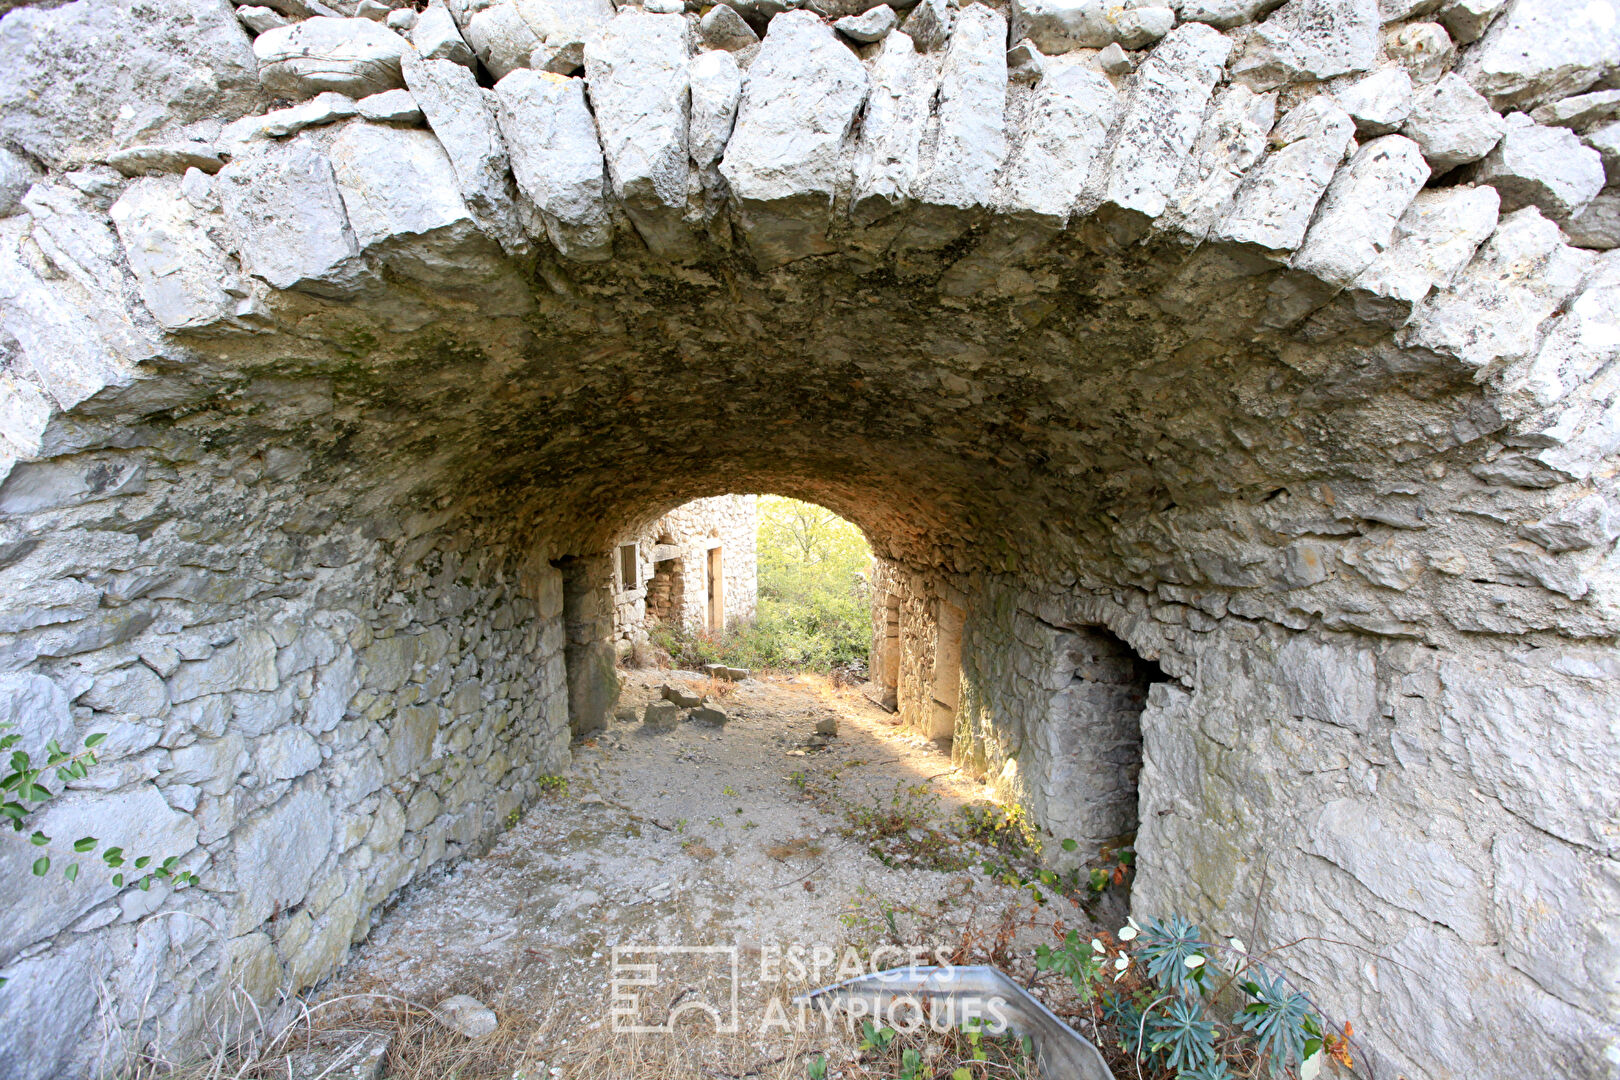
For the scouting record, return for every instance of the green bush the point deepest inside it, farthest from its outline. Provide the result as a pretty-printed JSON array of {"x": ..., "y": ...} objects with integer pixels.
[{"x": 814, "y": 602}]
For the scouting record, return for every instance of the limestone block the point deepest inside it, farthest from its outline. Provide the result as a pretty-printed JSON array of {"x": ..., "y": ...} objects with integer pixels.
[
  {"x": 870, "y": 26},
  {"x": 277, "y": 853},
  {"x": 1161, "y": 118},
  {"x": 53, "y": 1001},
  {"x": 1606, "y": 141},
  {"x": 435, "y": 36},
  {"x": 1329, "y": 681},
  {"x": 1066, "y": 129},
  {"x": 1424, "y": 50},
  {"x": 36, "y": 708},
  {"x": 1274, "y": 205},
  {"x": 1379, "y": 103},
  {"x": 1356, "y": 219},
  {"x": 1598, "y": 226},
  {"x": 410, "y": 741},
  {"x": 723, "y": 28},
  {"x": 791, "y": 144},
  {"x": 325, "y": 108},
  {"x": 888, "y": 155},
  {"x": 286, "y": 754},
  {"x": 546, "y": 35},
  {"x": 462, "y": 115},
  {"x": 400, "y": 191},
  {"x": 1581, "y": 111},
  {"x": 716, "y": 91},
  {"x": 1467, "y": 20},
  {"x": 1537, "y": 52},
  {"x": 1581, "y": 343},
  {"x": 971, "y": 141},
  {"x": 636, "y": 70},
  {"x": 1310, "y": 40},
  {"x": 1559, "y": 915},
  {"x": 136, "y": 819},
  {"x": 1538, "y": 739},
  {"x": 183, "y": 274},
  {"x": 129, "y": 691},
  {"x": 1492, "y": 312},
  {"x": 66, "y": 74},
  {"x": 249, "y": 663},
  {"x": 1453, "y": 124},
  {"x": 1433, "y": 241},
  {"x": 390, "y": 107},
  {"x": 1585, "y": 523},
  {"x": 16, "y": 177},
  {"x": 175, "y": 157},
  {"x": 349, "y": 56},
  {"x": 557, "y": 160},
  {"x": 1221, "y": 13},
  {"x": 259, "y": 19},
  {"x": 1544, "y": 167},
  {"x": 286, "y": 214},
  {"x": 1422, "y": 872},
  {"x": 334, "y": 687},
  {"x": 929, "y": 25},
  {"x": 212, "y": 764},
  {"x": 1232, "y": 139},
  {"x": 1060, "y": 26}
]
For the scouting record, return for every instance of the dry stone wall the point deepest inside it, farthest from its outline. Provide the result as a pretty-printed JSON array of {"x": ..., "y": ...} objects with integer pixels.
[
  {"x": 1278, "y": 341},
  {"x": 672, "y": 556}
]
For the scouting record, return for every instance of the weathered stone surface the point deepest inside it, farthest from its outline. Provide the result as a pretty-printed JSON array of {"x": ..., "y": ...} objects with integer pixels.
[
  {"x": 791, "y": 143},
  {"x": 1420, "y": 872},
  {"x": 16, "y": 177},
  {"x": 466, "y": 1016},
  {"x": 390, "y": 107},
  {"x": 1598, "y": 226},
  {"x": 929, "y": 25},
  {"x": 435, "y": 36},
  {"x": 637, "y": 74},
  {"x": 286, "y": 213},
  {"x": 1310, "y": 40},
  {"x": 400, "y": 192},
  {"x": 1453, "y": 124},
  {"x": 1060, "y": 26},
  {"x": 888, "y": 154},
  {"x": 661, "y": 716},
  {"x": 52, "y": 1001},
  {"x": 546, "y": 35},
  {"x": 37, "y": 709},
  {"x": 872, "y": 25},
  {"x": 259, "y": 19},
  {"x": 1435, "y": 238},
  {"x": 1273, "y": 206},
  {"x": 1379, "y": 103},
  {"x": 1537, "y": 52},
  {"x": 1330, "y": 682},
  {"x": 1161, "y": 118},
  {"x": 237, "y": 138},
  {"x": 277, "y": 854},
  {"x": 1356, "y": 219},
  {"x": 347, "y": 56},
  {"x": 1544, "y": 167},
  {"x": 166, "y": 158},
  {"x": 183, "y": 273},
  {"x": 722, "y": 28},
  {"x": 971, "y": 140},
  {"x": 136, "y": 819},
  {"x": 462, "y": 115},
  {"x": 83, "y": 79},
  {"x": 716, "y": 91},
  {"x": 557, "y": 160},
  {"x": 1221, "y": 13},
  {"x": 1490, "y": 313},
  {"x": 1232, "y": 139},
  {"x": 1467, "y": 20},
  {"x": 1560, "y": 918},
  {"x": 249, "y": 663},
  {"x": 1581, "y": 111},
  {"x": 1066, "y": 129},
  {"x": 1424, "y": 50},
  {"x": 1584, "y": 340}
]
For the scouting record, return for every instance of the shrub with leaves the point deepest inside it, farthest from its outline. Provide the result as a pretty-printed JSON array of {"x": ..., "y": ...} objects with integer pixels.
[{"x": 1156, "y": 994}]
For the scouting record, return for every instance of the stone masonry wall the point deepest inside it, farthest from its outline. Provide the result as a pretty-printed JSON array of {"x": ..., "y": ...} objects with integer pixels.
[{"x": 729, "y": 521}]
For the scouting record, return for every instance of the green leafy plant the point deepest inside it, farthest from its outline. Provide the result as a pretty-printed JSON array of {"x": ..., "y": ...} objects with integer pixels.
[
  {"x": 1082, "y": 964},
  {"x": 1182, "y": 1034},
  {"x": 817, "y": 1068},
  {"x": 1173, "y": 954},
  {"x": 1280, "y": 1020}
]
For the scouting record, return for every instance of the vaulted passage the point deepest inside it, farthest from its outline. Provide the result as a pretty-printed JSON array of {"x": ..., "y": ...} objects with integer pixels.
[{"x": 1230, "y": 486}]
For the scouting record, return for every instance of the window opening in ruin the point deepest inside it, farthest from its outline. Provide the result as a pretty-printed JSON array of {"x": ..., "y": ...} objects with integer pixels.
[
  {"x": 629, "y": 565},
  {"x": 1094, "y": 750}
]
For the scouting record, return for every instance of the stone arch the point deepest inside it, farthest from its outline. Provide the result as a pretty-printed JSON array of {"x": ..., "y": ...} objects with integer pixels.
[{"x": 318, "y": 424}]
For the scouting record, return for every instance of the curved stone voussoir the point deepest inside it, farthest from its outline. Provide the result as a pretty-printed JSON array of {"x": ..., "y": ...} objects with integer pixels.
[
  {"x": 636, "y": 70},
  {"x": 1310, "y": 40},
  {"x": 1064, "y": 132},
  {"x": 187, "y": 281},
  {"x": 557, "y": 161},
  {"x": 355, "y": 57},
  {"x": 791, "y": 149},
  {"x": 888, "y": 153},
  {"x": 1357, "y": 215},
  {"x": 1273, "y": 207}
]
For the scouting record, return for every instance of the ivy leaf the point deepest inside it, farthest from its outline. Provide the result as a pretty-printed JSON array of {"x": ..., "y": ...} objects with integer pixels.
[
  {"x": 1070, "y": 845},
  {"x": 141, "y": 863},
  {"x": 42, "y": 866},
  {"x": 93, "y": 741},
  {"x": 118, "y": 880},
  {"x": 84, "y": 844},
  {"x": 72, "y": 872},
  {"x": 39, "y": 839}
]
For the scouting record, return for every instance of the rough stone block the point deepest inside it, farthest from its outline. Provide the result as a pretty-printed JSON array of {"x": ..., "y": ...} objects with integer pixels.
[
  {"x": 556, "y": 159},
  {"x": 355, "y": 57},
  {"x": 1066, "y": 129},
  {"x": 1542, "y": 51},
  {"x": 1544, "y": 167},
  {"x": 1356, "y": 219},
  {"x": 1310, "y": 40},
  {"x": 1273, "y": 208}
]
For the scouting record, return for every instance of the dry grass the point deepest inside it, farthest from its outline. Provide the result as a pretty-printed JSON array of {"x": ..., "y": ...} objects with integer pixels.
[{"x": 800, "y": 847}]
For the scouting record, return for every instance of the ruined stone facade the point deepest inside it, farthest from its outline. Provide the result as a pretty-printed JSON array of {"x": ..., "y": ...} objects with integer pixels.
[
  {"x": 1251, "y": 366},
  {"x": 695, "y": 568}
]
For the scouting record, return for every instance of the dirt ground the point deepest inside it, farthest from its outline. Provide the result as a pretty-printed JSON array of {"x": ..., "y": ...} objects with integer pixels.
[{"x": 745, "y": 841}]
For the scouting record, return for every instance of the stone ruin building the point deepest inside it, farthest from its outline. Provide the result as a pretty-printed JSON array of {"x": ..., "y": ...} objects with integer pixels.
[
  {"x": 694, "y": 569},
  {"x": 1229, "y": 390}
]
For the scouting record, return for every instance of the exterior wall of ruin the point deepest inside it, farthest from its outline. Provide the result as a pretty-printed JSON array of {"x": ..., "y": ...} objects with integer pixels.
[{"x": 684, "y": 537}]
